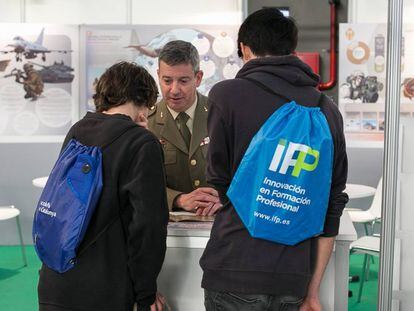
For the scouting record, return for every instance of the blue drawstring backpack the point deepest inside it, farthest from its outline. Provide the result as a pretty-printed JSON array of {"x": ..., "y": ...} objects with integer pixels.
[
  {"x": 282, "y": 185},
  {"x": 67, "y": 204}
]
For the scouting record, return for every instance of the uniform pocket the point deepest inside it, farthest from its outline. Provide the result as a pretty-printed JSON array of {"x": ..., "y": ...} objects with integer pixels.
[
  {"x": 204, "y": 150},
  {"x": 170, "y": 156}
]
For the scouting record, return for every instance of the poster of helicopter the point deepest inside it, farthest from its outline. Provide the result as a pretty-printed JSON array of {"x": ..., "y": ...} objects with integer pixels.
[
  {"x": 362, "y": 79},
  {"x": 105, "y": 45},
  {"x": 38, "y": 81}
]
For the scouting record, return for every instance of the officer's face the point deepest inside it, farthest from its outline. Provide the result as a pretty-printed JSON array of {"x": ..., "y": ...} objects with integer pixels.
[{"x": 178, "y": 85}]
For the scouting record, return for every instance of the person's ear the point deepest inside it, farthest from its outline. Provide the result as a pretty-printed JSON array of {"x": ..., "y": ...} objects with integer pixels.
[
  {"x": 246, "y": 52},
  {"x": 198, "y": 77}
]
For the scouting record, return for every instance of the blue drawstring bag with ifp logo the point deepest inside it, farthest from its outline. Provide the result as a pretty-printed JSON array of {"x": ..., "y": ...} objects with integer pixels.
[{"x": 281, "y": 188}]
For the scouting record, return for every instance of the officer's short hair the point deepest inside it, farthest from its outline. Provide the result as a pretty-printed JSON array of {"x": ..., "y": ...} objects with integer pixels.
[
  {"x": 180, "y": 52},
  {"x": 124, "y": 82},
  {"x": 268, "y": 32}
]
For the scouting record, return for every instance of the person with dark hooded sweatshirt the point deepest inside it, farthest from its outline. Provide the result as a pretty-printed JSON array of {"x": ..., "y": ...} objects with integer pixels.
[
  {"x": 121, "y": 254},
  {"x": 242, "y": 272}
]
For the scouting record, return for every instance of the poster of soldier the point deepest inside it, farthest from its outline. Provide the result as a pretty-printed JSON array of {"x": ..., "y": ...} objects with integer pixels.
[
  {"x": 105, "y": 45},
  {"x": 39, "y": 86}
]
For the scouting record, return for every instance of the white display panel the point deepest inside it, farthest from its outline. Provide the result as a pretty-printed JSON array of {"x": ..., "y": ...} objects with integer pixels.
[
  {"x": 10, "y": 11},
  {"x": 403, "y": 274},
  {"x": 362, "y": 74},
  {"x": 75, "y": 11},
  {"x": 38, "y": 104},
  {"x": 189, "y": 12}
]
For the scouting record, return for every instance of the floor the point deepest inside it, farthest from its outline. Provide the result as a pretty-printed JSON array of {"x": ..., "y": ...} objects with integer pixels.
[
  {"x": 18, "y": 283},
  {"x": 370, "y": 289}
]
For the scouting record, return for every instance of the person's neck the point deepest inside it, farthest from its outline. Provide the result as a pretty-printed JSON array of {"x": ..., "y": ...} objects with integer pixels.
[{"x": 128, "y": 109}]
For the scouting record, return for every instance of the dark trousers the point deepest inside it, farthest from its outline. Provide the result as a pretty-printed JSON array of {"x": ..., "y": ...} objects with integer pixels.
[{"x": 220, "y": 301}]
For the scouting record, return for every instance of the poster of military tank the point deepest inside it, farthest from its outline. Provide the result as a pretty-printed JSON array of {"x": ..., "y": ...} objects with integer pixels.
[
  {"x": 105, "y": 44},
  {"x": 362, "y": 80},
  {"x": 39, "y": 85}
]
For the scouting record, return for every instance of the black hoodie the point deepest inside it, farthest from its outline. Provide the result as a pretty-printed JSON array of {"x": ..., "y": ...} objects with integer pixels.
[
  {"x": 124, "y": 246},
  {"x": 233, "y": 261}
]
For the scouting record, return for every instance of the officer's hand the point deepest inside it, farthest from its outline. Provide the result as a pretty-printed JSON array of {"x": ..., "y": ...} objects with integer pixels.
[
  {"x": 202, "y": 197},
  {"x": 208, "y": 211}
]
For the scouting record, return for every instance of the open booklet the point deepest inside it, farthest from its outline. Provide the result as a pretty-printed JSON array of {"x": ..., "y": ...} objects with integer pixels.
[{"x": 188, "y": 216}]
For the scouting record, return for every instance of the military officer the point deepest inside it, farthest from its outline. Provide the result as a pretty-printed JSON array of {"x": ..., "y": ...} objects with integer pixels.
[{"x": 179, "y": 121}]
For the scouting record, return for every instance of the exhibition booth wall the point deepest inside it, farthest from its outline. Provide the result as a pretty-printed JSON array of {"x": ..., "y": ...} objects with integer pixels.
[{"x": 25, "y": 159}]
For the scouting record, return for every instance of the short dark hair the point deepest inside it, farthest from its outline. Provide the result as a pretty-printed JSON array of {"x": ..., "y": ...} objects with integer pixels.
[
  {"x": 124, "y": 82},
  {"x": 268, "y": 32},
  {"x": 180, "y": 52}
]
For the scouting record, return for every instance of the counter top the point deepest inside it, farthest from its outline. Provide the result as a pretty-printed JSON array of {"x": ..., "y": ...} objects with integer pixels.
[
  {"x": 202, "y": 229},
  {"x": 190, "y": 228}
]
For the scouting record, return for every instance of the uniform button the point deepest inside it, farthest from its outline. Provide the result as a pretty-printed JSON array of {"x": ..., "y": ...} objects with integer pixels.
[
  {"x": 196, "y": 183},
  {"x": 193, "y": 162}
]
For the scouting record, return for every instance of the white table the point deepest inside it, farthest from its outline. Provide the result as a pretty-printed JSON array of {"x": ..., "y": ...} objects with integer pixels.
[
  {"x": 357, "y": 191},
  {"x": 40, "y": 181},
  {"x": 180, "y": 277}
]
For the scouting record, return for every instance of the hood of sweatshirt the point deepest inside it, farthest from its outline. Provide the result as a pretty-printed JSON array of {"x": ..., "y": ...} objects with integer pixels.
[
  {"x": 287, "y": 75},
  {"x": 100, "y": 129}
]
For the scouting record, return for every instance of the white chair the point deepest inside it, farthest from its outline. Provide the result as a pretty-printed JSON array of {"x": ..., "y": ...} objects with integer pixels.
[
  {"x": 369, "y": 246},
  {"x": 8, "y": 212},
  {"x": 371, "y": 215}
]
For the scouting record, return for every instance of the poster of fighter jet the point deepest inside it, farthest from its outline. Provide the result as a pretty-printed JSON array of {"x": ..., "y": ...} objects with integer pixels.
[
  {"x": 39, "y": 85},
  {"x": 26, "y": 49},
  {"x": 105, "y": 44}
]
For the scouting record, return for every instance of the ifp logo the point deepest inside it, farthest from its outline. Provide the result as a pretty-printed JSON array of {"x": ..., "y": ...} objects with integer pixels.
[{"x": 294, "y": 156}]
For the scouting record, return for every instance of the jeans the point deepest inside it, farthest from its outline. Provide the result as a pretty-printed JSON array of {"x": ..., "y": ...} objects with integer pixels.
[{"x": 220, "y": 301}]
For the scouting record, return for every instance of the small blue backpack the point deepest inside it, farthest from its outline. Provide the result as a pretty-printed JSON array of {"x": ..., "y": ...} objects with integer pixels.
[
  {"x": 281, "y": 188},
  {"x": 67, "y": 204}
]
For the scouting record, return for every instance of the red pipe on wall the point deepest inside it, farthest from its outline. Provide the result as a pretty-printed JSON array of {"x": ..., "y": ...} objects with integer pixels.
[{"x": 332, "y": 57}]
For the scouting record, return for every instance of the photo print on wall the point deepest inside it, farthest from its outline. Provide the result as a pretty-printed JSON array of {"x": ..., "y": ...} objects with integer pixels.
[
  {"x": 38, "y": 81},
  {"x": 362, "y": 80},
  {"x": 105, "y": 45}
]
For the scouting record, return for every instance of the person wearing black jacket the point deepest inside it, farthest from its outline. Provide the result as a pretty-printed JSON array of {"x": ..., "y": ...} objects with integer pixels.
[
  {"x": 242, "y": 272},
  {"x": 124, "y": 246}
]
